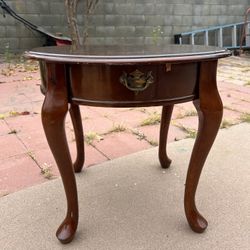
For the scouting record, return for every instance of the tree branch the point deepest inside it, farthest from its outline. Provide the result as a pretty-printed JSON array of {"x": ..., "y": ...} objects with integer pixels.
[{"x": 71, "y": 12}]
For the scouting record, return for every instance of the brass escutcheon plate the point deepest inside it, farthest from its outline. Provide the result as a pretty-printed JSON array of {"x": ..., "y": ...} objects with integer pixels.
[{"x": 137, "y": 80}]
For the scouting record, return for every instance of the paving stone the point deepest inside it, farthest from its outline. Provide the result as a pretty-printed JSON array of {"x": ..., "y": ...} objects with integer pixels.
[
  {"x": 227, "y": 100},
  {"x": 20, "y": 76},
  {"x": 242, "y": 106},
  {"x": 189, "y": 122},
  {"x": 186, "y": 107},
  {"x": 119, "y": 144},
  {"x": 129, "y": 119},
  {"x": 34, "y": 107},
  {"x": 231, "y": 116},
  {"x": 19, "y": 172},
  {"x": 178, "y": 112},
  {"x": 33, "y": 140},
  {"x": 92, "y": 155},
  {"x": 155, "y": 109},
  {"x": 10, "y": 146},
  {"x": 89, "y": 112},
  {"x": 239, "y": 95},
  {"x": 228, "y": 86},
  {"x": 152, "y": 133},
  {"x": 4, "y": 129},
  {"x": 25, "y": 123},
  {"x": 6, "y": 89},
  {"x": 100, "y": 125},
  {"x": 45, "y": 158},
  {"x": 106, "y": 112}
]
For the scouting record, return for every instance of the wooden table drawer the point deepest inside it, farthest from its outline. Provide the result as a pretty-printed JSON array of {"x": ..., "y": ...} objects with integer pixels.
[{"x": 150, "y": 83}]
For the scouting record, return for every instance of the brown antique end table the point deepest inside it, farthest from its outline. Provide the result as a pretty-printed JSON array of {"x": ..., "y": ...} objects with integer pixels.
[{"x": 128, "y": 76}]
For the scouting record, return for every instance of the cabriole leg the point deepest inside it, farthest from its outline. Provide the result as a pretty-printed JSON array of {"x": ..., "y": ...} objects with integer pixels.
[
  {"x": 165, "y": 122},
  {"x": 54, "y": 110},
  {"x": 210, "y": 109},
  {"x": 78, "y": 130}
]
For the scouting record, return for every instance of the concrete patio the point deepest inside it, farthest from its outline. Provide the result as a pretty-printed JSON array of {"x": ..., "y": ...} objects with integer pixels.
[{"x": 131, "y": 203}]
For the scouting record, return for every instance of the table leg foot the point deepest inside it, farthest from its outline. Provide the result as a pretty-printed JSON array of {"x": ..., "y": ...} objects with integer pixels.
[
  {"x": 66, "y": 232},
  {"x": 79, "y": 137},
  {"x": 197, "y": 222},
  {"x": 165, "y": 122},
  {"x": 210, "y": 110},
  {"x": 54, "y": 110}
]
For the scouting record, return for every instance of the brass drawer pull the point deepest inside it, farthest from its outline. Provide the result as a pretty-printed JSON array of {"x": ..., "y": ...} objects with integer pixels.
[{"x": 136, "y": 81}]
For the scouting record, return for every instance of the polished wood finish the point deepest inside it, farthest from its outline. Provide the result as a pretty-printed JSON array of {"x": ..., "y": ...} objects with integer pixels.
[
  {"x": 159, "y": 76},
  {"x": 210, "y": 110},
  {"x": 54, "y": 110},
  {"x": 99, "y": 85},
  {"x": 122, "y": 55},
  {"x": 79, "y": 137},
  {"x": 165, "y": 122}
]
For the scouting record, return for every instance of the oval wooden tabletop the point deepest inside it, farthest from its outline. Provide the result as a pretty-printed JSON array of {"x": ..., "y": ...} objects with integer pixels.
[{"x": 127, "y": 54}]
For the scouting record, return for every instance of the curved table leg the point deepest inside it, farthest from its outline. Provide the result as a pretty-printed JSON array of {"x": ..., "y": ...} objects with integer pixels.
[
  {"x": 210, "y": 109},
  {"x": 78, "y": 130},
  {"x": 54, "y": 110},
  {"x": 165, "y": 122}
]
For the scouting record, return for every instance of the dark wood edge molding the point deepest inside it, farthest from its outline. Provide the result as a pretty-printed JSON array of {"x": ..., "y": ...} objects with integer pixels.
[
  {"x": 120, "y": 104},
  {"x": 126, "y": 60}
]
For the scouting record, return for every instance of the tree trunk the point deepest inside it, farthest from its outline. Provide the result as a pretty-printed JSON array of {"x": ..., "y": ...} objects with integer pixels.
[
  {"x": 71, "y": 12},
  {"x": 71, "y": 7}
]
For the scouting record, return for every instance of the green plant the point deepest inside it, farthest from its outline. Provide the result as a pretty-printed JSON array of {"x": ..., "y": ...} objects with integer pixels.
[
  {"x": 13, "y": 113},
  {"x": 7, "y": 54},
  {"x": 2, "y": 116},
  {"x": 245, "y": 117},
  {"x": 187, "y": 113},
  {"x": 153, "y": 143},
  {"x": 156, "y": 34},
  {"x": 154, "y": 118},
  {"x": 117, "y": 128},
  {"x": 180, "y": 116},
  {"x": 46, "y": 171},
  {"x": 91, "y": 136},
  {"x": 191, "y": 133},
  {"x": 32, "y": 156},
  {"x": 191, "y": 113},
  {"x": 140, "y": 135},
  {"x": 247, "y": 84},
  {"x": 226, "y": 124}
]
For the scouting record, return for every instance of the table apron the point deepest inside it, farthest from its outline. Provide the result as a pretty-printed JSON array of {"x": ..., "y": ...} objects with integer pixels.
[{"x": 132, "y": 85}]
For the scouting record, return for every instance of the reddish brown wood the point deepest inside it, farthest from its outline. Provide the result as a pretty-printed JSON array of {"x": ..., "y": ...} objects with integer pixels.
[
  {"x": 79, "y": 137},
  {"x": 165, "y": 122},
  {"x": 83, "y": 77},
  {"x": 99, "y": 85},
  {"x": 54, "y": 110},
  {"x": 210, "y": 109}
]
